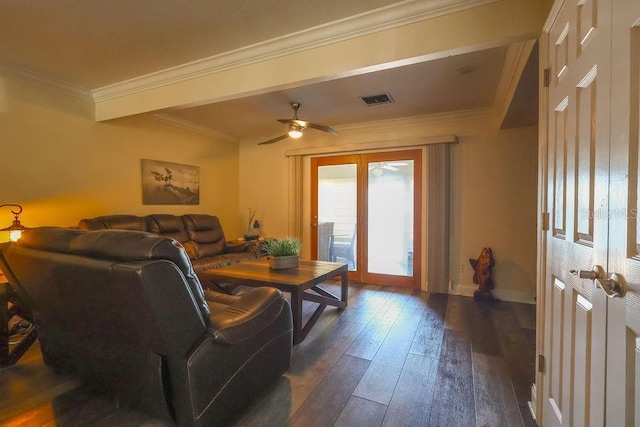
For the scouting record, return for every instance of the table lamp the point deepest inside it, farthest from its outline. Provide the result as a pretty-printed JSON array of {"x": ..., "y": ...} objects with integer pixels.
[{"x": 15, "y": 229}]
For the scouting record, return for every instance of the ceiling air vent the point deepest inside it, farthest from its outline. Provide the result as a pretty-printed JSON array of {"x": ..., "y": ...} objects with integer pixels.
[{"x": 383, "y": 98}]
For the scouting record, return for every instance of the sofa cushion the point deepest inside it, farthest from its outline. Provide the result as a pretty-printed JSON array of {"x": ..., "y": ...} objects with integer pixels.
[
  {"x": 117, "y": 222},
  {"x": 167, "y": 225},
  {"x": 207, "y": 232}
]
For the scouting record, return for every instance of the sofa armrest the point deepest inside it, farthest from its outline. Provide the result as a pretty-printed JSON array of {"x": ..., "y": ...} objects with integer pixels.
[
  {"x": 235, "y": 246},
  {"x": 245, "y": 315}
]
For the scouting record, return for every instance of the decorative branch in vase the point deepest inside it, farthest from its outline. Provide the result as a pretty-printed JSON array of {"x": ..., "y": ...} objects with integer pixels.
[{"x": 251, "y": 233}]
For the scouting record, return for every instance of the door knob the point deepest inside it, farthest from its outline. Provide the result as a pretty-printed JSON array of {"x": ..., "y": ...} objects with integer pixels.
[
  {"x": 597, "y": 272},
  {"x": 612, "y": 287}
]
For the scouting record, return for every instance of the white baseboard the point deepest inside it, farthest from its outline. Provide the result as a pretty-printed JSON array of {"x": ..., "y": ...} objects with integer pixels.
[
  {"x": 532, "y": 403},
  {"x": 467, "y": 290},
  {"x": 464, "y": 290}
]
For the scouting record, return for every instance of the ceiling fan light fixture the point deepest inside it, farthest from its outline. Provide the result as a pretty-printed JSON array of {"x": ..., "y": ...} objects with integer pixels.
[
  {"x": 297, "y": 126},
  {"x": 295, "y": 131}
]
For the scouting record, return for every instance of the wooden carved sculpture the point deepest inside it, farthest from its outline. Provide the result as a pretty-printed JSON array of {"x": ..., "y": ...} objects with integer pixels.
[{"x": 483, "y": 269}]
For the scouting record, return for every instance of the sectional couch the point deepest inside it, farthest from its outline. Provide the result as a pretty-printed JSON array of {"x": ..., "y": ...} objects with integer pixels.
[{"x": 201, "y": 236}]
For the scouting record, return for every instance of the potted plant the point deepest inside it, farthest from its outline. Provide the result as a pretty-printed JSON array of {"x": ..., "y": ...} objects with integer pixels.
[{"x": 282, "y": 253}]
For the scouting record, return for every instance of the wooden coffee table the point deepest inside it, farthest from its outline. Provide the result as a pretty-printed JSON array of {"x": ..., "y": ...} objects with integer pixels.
[{"x": 297, "y": 281}]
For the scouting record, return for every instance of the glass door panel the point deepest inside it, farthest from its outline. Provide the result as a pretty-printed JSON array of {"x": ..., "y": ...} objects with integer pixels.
[
  {"x": 337, "y": 211},
  {"x": 390, "y": 218}
]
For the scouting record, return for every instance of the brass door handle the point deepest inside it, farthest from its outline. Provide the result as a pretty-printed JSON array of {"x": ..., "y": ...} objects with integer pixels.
[
  {"x": 612, "y": 287},
  {"x": 597, "y": 272}
]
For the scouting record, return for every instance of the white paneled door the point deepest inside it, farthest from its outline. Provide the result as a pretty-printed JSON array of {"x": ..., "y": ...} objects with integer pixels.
[{"x": 591, "y": 325}]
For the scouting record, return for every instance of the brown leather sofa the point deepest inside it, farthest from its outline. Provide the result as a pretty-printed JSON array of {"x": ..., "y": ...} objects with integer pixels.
[
  {"x": 124, "y": 311},
  {"x": 201, "y": 235}
]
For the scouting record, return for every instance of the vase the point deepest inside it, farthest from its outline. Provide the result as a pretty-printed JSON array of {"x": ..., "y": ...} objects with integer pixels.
[
  {"x": 251, "y": 233},
  {"x": 278, "y": 262}
]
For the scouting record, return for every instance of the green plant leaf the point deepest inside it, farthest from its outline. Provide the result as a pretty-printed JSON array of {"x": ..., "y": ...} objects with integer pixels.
[{"x": 286, "y": 246}]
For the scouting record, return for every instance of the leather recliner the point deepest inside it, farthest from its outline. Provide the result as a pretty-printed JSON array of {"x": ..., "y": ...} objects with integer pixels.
[{"x": 124, "y": 310}]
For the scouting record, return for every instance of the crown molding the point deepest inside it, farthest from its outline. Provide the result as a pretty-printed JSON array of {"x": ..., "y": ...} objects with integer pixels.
[
  {"x": 407, "y": 12},
  {"x": 373, "y": 145},
  {"x": 427, "y": 119},
  {"x": 373, "y": 126},
  {"x": 185, "y": 124},
  {"x": 514, "y": 62},
  {"x": 380, "y": 125},
  {"x": 50, "y": 83}
]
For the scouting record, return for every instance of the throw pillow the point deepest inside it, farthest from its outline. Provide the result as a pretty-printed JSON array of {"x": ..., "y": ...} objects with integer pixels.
[{"x": 192, "y": 249}]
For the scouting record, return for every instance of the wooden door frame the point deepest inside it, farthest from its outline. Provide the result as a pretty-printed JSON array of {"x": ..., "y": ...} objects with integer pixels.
[
  {"x": 361, "y": 159},
  {"x": 327, "y": 161},
  {"x": 543, "y": 220}
]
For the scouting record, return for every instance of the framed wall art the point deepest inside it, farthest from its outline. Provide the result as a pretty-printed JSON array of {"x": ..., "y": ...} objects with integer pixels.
[{"x": 166, "y": 183}]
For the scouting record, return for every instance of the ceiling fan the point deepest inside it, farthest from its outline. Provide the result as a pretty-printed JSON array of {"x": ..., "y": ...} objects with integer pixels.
[{"x": 297, "y": 126}]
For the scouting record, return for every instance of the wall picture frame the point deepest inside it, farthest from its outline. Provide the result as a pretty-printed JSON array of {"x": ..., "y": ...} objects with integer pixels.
[{"x": 167, "y": 183}]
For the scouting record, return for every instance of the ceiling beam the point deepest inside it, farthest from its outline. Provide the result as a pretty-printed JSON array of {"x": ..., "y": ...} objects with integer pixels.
[{"x": 488, "y": 25}]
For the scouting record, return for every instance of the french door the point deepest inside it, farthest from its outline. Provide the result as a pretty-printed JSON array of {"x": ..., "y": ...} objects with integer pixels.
[
  {"x": 366, "y": 211},
  {"x": 591, "y": 326}
]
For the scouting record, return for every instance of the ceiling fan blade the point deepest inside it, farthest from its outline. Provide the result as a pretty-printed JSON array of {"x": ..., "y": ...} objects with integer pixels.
[
  {"x": 276, "y": 139},
  {"x": 323, "y": 128},
  {"x": 312, "y": 125},
  {"x": 296, "y": 121},
  {"x": 391, "y": 168}
]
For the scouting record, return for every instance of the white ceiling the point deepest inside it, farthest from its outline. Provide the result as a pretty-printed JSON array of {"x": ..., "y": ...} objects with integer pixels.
[{"x": 90, "y": 45}]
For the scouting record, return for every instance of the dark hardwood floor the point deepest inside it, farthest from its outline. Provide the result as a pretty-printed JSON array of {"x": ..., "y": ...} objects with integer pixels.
[{"x": 394, "y": 357}]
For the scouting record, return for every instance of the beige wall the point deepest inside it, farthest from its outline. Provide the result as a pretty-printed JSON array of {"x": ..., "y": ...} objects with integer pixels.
[
  {"x": 493, "y": 203},
  {"x": 493, "y": 200},
  {"x": 61, "y": 165},
  {"x": 264, "y": 185}
]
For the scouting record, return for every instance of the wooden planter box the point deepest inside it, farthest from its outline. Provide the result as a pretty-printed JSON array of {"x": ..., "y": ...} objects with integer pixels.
[{"x": 278, "y": 262}]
